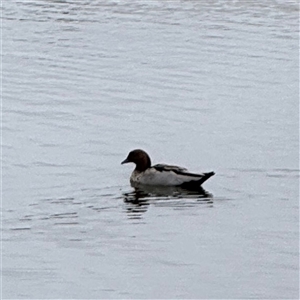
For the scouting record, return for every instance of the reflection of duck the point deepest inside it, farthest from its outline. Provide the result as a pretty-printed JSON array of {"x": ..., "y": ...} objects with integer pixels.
[
  {"x": 136, "y": 203},
  {"x": 138, "y": 200},
  {"x": 161, "y": 174},
  {"x": 143, "y": 191}
]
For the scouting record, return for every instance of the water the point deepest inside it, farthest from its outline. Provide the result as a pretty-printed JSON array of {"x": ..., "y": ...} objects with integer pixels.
[{"x": 207, "y": 85}]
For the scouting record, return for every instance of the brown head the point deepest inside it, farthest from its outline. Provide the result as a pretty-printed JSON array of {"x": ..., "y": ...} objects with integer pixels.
[{"x": 140, "y": 158}]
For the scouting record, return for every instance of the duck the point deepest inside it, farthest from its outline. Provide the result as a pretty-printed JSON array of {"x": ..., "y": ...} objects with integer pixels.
[{"x": 161, "y": 174}]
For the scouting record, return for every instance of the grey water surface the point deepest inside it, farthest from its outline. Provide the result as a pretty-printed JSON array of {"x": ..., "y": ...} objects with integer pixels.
[{"x": 209, "y": 85}]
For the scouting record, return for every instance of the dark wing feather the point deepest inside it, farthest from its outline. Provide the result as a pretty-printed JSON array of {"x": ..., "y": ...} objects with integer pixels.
[
  {"x": 198, "y": 179},
  {"x": 163, "y": 167}
]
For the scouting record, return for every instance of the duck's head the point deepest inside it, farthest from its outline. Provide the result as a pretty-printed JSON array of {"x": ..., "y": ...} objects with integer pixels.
[{"x": 140, "y": 158}]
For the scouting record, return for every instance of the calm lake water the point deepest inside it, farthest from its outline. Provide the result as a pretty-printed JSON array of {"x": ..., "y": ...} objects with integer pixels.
[{"x": 209, "y": 85}]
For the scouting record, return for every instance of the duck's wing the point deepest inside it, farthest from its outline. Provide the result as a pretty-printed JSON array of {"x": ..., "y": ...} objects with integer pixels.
[
  {"x": 163, "y": 167},
  {"x": 181, "y": 176}
]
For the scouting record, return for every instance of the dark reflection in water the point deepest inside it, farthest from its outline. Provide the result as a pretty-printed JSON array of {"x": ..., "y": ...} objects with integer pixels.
[{"x": 138, "y": 200}]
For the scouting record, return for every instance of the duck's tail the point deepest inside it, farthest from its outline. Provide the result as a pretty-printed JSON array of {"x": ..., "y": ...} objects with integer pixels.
[
  {"x": 197, "y": 182},
  {"x": 206, "y": 176}
]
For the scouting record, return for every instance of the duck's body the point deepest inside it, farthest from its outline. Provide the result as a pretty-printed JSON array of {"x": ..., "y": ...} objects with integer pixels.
[{"x": 162, "y": 174}]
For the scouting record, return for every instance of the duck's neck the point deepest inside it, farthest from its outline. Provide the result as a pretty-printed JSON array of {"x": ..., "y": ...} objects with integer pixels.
[{"x": 143, "y": 164}]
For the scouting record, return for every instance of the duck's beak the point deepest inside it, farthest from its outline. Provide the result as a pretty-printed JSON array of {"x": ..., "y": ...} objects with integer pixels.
[{"x": 125, "y": 161}]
